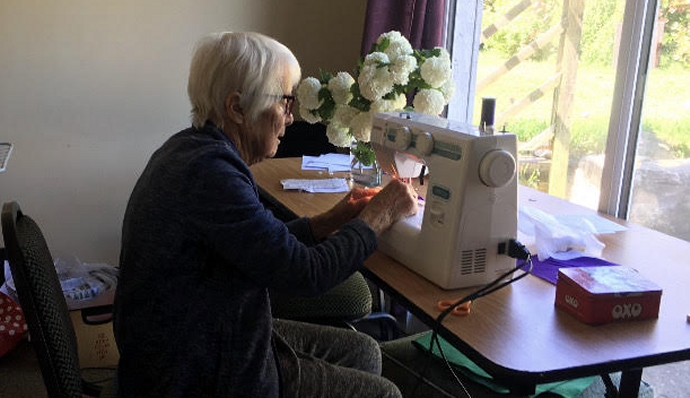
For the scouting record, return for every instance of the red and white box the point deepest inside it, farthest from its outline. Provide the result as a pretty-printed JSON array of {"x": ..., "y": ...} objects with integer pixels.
[{"x": 597, "y": 295}]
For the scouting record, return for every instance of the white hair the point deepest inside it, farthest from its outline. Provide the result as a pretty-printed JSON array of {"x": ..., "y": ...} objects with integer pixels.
[{"x": 249, "y": 63}]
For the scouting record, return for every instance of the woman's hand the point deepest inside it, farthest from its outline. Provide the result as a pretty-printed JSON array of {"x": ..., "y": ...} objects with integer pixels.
[
  {"x": 395, "y": 201},
  {"x": 345, "y": 210},
  {"x": 355, "y": 201}
]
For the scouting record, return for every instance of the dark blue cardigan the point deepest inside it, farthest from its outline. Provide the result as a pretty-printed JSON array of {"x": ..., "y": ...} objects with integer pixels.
[{"x": 199, "y": 251}]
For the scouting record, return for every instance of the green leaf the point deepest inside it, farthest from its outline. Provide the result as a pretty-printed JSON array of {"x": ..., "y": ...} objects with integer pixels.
[
  {"x": 325, "y": 94},
  {"x": 358, "y": 102},
  {"x": 327, "y": 108},
  {"x": 385, "y": 43},
  {"x": 364, "y": 153},
  {"x": 325, "y": 76}
]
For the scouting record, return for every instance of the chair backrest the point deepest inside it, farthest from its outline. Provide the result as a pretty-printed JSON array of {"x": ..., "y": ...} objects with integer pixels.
[
  {"x": 43, "y": 303},
  {"x": 302, "y": 138}
]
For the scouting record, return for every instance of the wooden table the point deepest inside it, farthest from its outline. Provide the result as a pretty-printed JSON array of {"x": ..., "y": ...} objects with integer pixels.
[{"x": 516, "y": 334}]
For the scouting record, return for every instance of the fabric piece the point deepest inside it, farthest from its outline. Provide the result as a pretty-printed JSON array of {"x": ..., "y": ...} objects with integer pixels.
[
  {"x": 548, "y": 269},
  {"x": 13, "y": 325},
  {"x": 566, "y": 389}
]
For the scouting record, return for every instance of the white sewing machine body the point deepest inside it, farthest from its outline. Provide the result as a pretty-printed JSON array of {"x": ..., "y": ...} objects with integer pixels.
[{"x": 471, "y": 202}]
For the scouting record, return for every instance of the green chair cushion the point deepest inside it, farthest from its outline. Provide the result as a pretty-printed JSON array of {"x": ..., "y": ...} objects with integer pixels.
[{"x": 347, "y": 302}]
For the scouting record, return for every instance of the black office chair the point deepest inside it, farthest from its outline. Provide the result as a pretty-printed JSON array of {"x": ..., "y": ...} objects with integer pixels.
[
  {"x": 45, "y": 308},
  {"x": 302, "y": 138},
  {"x": 341, "y": 306}
]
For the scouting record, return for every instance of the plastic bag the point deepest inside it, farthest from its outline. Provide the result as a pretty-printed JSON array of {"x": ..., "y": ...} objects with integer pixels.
[
  {"x": 84, "y": 281},
  {"x": 551, "y": 238}
]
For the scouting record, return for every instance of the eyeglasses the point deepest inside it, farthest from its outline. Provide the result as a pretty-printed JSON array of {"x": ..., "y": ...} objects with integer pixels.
[{"x": 289, "y": 103}]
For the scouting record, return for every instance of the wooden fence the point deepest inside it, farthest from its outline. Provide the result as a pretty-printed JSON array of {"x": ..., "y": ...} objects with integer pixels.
[{"x": 561, "y": 84}]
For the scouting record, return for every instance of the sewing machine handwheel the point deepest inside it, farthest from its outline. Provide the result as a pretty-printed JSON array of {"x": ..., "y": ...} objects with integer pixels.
[{"x": 497, "y": 168}]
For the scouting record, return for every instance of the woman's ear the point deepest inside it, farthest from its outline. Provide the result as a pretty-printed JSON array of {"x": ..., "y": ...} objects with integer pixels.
[{"x": 233, "y": 110}]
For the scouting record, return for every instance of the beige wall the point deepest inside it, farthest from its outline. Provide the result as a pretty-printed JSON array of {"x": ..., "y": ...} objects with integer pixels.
[{"x": 89, "y": 88}]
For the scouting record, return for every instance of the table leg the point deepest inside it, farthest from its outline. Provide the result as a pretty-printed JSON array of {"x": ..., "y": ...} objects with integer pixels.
[
  {"x": 630, "y": 383},
  {"x": 523, "y": 390}
]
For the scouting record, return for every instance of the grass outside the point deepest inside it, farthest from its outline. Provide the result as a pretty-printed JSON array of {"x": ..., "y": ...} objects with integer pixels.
[{"x": 666, "y": 109}]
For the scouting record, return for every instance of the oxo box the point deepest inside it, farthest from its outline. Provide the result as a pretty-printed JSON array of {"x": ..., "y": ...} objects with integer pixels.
[{"x": 597, "y": 295}]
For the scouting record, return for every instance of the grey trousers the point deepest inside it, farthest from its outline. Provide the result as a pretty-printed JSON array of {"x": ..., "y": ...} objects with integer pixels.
[{"x": 327, "y": 362}]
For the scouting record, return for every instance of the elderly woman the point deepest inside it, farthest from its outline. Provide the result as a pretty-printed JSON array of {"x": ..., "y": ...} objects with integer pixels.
[{"x": 199, "y": 251}]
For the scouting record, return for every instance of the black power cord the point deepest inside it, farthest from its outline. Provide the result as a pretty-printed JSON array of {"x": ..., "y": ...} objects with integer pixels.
[{"x": 512, "y": 248}]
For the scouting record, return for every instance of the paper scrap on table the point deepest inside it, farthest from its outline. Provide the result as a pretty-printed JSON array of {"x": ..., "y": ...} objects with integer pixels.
[
  {"x": 328, "y": 185},
  {"x": 331, "y": 162}
]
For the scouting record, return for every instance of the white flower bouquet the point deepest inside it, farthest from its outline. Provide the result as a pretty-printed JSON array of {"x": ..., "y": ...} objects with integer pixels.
[{"x": 386, "y": 77}]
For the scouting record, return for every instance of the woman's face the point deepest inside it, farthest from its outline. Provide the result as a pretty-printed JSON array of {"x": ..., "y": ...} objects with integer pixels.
[{"x": 272, "y": 122}]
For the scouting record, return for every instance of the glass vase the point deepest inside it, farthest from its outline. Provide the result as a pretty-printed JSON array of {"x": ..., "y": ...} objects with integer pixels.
[{"x": 367, "y": 175}]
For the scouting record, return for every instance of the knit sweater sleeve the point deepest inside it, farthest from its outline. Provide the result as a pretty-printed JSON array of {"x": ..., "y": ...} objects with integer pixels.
[
  {"x": 302, "y": 231},
  {"x": 227, "y": 212}
]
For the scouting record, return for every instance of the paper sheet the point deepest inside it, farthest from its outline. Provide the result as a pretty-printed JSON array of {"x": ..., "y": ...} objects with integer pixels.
[
  {"x": 331, "y": 162},
  {"x": 328, "y": 185}
]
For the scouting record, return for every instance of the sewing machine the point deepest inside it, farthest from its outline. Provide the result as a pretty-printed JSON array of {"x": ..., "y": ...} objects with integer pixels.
[{"x": 470, "y": 208}]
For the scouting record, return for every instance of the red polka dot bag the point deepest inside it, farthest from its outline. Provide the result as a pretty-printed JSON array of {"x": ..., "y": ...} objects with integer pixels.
[{"x": 13, "y": 326}]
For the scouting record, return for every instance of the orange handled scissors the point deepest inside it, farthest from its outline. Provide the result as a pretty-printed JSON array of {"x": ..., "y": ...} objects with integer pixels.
[{"x": 460, "y": 310}]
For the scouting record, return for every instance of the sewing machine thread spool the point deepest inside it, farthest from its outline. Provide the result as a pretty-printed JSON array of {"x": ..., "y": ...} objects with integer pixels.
[{"x": 486, "y": 123}]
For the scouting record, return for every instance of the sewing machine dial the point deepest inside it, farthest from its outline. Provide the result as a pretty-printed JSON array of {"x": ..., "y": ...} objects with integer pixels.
[
  {"x": 425, "y": 143},
  {"x": 402, "y": 137},
  {"x": 497, "y": 168}
]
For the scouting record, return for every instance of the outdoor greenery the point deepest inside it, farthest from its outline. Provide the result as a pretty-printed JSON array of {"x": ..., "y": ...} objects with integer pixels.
[
  {"x": 667, "y": 105},
  {"x": 601, "y": 20},
  {"x": 666, "y": 116}
]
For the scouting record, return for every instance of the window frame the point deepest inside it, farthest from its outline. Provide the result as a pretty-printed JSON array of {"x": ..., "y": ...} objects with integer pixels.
[
  {"x": 463, "y": 39},
  {"x": 626, "y": 113}
]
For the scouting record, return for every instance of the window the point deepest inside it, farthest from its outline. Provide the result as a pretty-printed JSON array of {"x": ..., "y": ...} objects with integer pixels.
[{"x": 596, "y": 92}]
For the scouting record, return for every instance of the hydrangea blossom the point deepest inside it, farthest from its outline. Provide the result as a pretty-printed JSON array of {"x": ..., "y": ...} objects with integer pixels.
[
  {"x": 436, "y": 70},
  {"x": 308, "y": 93},
  {"x": 308, "y": 115},
  {"x": 340, "y": 86},
  {"x": 385, "y": 105},
  {"x": 401, "y": 69},
  {"x": 386, "y": 77},
  {"x": 375, "y": 79},
  {"x": 398, "y": 45},
  {"x": 429, "y": 101},
  {"x": 360, "y": 127},
  {"x": 338, "y": 135},
  {"x": 448, "y": 89},
  {"x": 343, "y": 114}
]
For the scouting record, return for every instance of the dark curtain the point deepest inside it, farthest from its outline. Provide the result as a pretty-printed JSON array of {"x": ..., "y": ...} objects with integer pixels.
[{"x": 422, "y": 22}]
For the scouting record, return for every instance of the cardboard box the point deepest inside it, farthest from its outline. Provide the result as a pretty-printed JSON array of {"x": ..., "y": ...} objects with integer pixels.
[
  {"x": 597, "y": 295},
  {"x": 107, "y": 298},
  {"x": 94, "y": 329}
]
